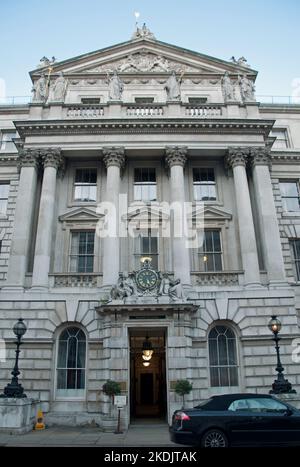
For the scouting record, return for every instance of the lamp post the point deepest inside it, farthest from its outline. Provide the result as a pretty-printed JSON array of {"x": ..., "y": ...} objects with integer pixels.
[
  {"x": 14, "y": 388},
  {"x": 280, "y": 385}
]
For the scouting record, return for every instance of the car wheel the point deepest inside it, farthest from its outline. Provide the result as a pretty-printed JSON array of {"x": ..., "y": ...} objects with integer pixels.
[{"x": 214, "y": 439}]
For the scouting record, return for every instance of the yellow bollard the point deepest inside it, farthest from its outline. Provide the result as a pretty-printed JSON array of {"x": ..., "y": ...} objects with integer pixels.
[{"x": 40, "y": 425}]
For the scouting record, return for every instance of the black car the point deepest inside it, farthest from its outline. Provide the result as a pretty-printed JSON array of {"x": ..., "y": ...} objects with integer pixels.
[{"x": 237, "y": 420}]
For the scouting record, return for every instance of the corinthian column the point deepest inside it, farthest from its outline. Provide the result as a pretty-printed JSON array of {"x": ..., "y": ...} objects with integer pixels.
[
  {"x": 21, "y": 236},
  {"x": 176, "y": 157},
  {"x": 269, "y": 228},
  {"x": 52, "y": 160},
  {"x": 114, "y": 160},
  {"x": 237, "y": 159}
]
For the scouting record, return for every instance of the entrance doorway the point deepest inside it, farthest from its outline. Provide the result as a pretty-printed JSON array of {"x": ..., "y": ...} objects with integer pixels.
[{"x": 148, "y": 393}]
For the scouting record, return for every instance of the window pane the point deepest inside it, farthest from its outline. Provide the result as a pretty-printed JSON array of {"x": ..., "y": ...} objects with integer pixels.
[
  {"x": 3, "y": 206},
  {"x": 4, "y": 189},
  {"x": 218, "y": 262},
  {"x": 291, "y": 204},
  {"x": 208, "y": 240},
  {"x": 214, "y": 377},
  {"x": 289, "y": 189},
  {"x": 213, "y": 352},
  {"x": 81, "y": 355},
  {"x": 72, "y": 349},
  {"x": 233, "y": 375},
  {"x": 61, "y": 379}
]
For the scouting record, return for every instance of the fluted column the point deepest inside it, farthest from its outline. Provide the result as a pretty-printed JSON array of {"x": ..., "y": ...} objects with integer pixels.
[
  {"x": 176, "y": 157},
  {"x": 269, "y": 229},
  {"x": 52, "y": 160},
  {"x": 114, "y": 160},
  {"x": 21, "y": 236},
  {"x": 237, "y": 159}
]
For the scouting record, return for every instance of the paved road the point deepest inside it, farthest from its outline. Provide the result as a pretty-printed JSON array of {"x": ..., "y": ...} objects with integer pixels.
[{"x": 138, "y": 435}]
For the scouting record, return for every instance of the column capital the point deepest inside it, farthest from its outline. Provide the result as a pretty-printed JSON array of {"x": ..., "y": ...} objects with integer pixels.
[
  {"x": 176, "y": 155},
  {"x": 260, "y": 156},
  {"x": 52, "y": 157},
  {"x": 114, "y": 156},
  {"x": 29, "y": 157},
  {"x": 236, "y": 156}
]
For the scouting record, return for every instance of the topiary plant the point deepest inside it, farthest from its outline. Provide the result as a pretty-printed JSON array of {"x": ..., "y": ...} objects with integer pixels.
[
  {"x": 111, "y": 389},
  {"x": 183, "y": 387}
]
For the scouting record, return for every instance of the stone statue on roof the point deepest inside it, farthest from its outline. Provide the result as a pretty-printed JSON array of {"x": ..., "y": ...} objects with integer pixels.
[{"x": 143, "y": 32}]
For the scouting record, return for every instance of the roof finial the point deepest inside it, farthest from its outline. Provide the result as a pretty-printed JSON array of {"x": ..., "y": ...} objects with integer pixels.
[{"x": 143, "y": 32}]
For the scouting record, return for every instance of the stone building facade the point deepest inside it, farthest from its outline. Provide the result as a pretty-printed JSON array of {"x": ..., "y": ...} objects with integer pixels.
[{"x": 156, "y": 124}]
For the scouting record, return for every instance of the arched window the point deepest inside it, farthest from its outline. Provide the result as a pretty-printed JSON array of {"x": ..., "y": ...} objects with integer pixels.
[
  {"x": 71, "y": 359},
  {"x": 222, "y": 357}
]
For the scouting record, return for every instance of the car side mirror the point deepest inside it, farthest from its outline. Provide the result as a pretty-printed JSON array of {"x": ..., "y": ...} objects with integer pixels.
[{"x": 288, "y": 412}]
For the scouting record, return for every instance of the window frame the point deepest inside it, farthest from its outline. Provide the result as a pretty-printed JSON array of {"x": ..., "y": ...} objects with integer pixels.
[
  {"x": 200, "y": 184},
  {"x": 83, "y": 395},
  {"x": 137, "y": 263},
  {"x": 3, "y": 135},
  {"x": 286, "y": 138},
  {"x": 296, "y": 261},
  {"x": 237, "y": 366},
  {"x": 71, "y": 173},
  {"x": 145, "y": 185},
  {"x": 221, "y": 252},
  {"x": 8, "y": 184},
  {"x": 296, "y": 182},
  {"x": 78, "y": 231},
  {"x": 206, "y": 164}
]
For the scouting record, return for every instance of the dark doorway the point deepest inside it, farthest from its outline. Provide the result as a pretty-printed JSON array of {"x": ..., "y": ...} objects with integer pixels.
[{"x": 148, "y": 395}]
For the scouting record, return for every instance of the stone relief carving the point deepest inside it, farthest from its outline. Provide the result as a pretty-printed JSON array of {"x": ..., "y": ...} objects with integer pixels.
[
  {"x": 247, "y": 88},
  {"x": 147, "y": 282},
  {"x": 143, "y": 62},
  {"x": 40, "y": 89}
]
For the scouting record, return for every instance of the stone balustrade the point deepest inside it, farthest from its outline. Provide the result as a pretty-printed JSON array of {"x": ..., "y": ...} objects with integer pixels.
[
  {"x": 82, "y": 111},
  {"x": 145, "y": 111},
  {"x": 203, "y": 111},
  {"x": 217, "y": 278},
  {"x": 85, "y": 111},
  {"x": 82, "y": 280}
]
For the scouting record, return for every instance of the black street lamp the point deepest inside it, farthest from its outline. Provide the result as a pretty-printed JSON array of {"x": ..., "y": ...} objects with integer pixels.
[
  {"x": 280, "y": 385},
  {"x": 14, "y": 388}
]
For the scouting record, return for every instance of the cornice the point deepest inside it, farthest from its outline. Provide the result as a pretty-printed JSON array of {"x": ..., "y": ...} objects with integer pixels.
[
  {"x": 144, "y": 126},
  {"x": 287, "y": 158},
  {"x": 8, "y": 159}
]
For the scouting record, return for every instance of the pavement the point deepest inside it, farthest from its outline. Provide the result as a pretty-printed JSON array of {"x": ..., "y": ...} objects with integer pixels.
[{"x": 138, "y": 435}]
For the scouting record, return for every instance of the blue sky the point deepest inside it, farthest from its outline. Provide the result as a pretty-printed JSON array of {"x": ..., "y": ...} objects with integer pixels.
[{"x": 266, "y": 32}]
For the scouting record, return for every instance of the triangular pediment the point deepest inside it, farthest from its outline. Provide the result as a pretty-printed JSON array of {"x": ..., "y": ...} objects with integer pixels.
[
  {"x": 80, "y": 215},
  {"x": 144, "y": 56},
  {"x": 210, "y": 213},
  {"x": 143, "y": 213}
]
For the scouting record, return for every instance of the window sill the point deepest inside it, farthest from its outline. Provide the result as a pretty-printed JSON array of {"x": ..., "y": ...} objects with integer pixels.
[{"x": 291, "y": 214}]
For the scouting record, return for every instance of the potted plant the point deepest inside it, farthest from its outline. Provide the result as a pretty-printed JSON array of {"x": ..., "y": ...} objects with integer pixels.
[
  {"x": 183, "y": 387},
  {"x": 110, "y": 388}
]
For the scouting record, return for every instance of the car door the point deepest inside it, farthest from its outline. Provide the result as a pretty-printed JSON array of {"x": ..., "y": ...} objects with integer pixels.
[{"x": 245, "y": 425}]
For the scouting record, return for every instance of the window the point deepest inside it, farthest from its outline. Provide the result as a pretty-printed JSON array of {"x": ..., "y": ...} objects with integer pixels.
[
  {"x": 197, "y": 100},
  {"x": 290, "y": 196},
  {"x": 144, "y": 100},
  {"x": 295, "y": 245},
  {"x": 4, "y": 190},
  {"x": 204, "y": 184},
  {"x": 222, "y": 357},
  {"x": 210, "y": 254},
  {"x": 145, "y": 184},
  {"x": 282, "y": 141},
  {"x": 85, "y": 186},
  {"x": 71, "y": 359},
  {"x": 90, "y": 100},
  {"x": 82, "y": 251},
  {"x": 6, "y": 141},
  {"x": 146, "y": 245},
  {"x": 260, "y": 404}
]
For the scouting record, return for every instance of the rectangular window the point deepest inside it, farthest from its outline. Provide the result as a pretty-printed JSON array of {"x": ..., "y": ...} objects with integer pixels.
[
  {"x": 210, "y": 254},
  {"x": 82, "y": 251},
  {"x": 204, "y": 184},
  {"x": 290, "y": 196},
  {"x": 197, "y": 100},
  {"x": 90, "y": 100},
  {"x": 295, "y": 245},
  {"x": 85, "y": 185},
  {"x": 144, "y": 100},
  {"x": 4, "y": 190},
  {"x": 281, "y": 136},
  {"x": 145, "y": 184},
  {"x": 6, "y": 141},
  {"x": 146, "y": 245}
]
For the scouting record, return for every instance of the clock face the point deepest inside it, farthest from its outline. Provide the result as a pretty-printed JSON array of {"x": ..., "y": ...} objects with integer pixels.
[{"x": 146, "y": 279}]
